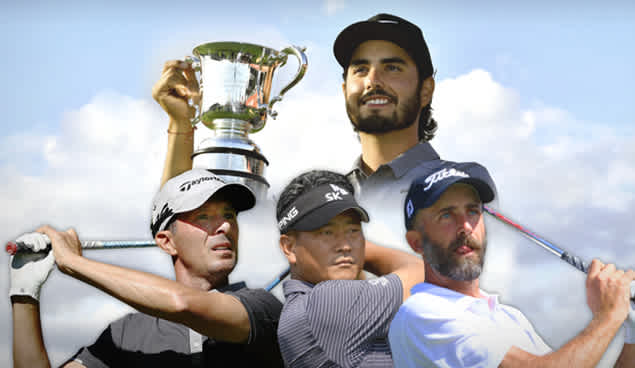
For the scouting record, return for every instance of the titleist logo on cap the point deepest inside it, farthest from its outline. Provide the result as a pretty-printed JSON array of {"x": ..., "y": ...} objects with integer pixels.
[{"x": 443, "y": 174}]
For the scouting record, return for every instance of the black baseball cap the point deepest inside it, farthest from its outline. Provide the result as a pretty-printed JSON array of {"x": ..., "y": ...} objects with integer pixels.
[
  {"x": 386, "y": 27},
  {"x": 314, "y": 209},
  {"x": 426, "y": 189}
]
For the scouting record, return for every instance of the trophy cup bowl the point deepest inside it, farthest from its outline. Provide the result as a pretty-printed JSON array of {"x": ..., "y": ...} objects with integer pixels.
[{"x": 235, "y": 83}]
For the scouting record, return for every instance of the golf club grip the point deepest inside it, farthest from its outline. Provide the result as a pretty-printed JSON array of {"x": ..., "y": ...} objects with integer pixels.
[
  {"x": 584, "y": 267},
  {"x": 575, "y": 261},
  {"x": 14, "y": 247}
]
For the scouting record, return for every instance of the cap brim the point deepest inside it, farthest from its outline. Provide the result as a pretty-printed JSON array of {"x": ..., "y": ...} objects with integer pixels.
[
  {"x": 239, "y": 195},
  {"x": 357, "y": 33},
  {"x": 321, "y": 216}
]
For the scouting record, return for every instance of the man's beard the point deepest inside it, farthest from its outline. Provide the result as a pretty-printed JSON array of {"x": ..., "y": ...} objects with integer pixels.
[
  {"x": 403, "y": 116},
  {"x": 446, "y": 262}
]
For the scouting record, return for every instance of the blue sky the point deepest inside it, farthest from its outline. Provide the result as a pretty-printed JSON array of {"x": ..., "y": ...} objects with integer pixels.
[
  {"x": 576, "y": 57},
  {"x": 541, "y": 94}
]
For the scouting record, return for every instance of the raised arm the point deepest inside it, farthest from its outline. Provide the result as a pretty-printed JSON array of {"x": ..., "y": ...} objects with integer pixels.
[
  {"x": 216, "y": 315},
  {"x": 28, "y": 271},
  {"x": 608, "y": 297},
  {"x": 382, "y": 260},
  {"x": 177, "y": 85}
]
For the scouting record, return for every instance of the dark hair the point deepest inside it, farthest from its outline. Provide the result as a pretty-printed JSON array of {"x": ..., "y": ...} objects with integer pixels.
[
  {"x": 307, "y": 181},
  {"x": 427, "y": 125}
]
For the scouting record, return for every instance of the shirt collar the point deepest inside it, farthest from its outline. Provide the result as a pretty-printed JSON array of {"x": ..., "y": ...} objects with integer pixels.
[
  {"x": 403, "y": 163},
  {"x": 296, "y": 286},
  {"x": 462, "y": 300},
  {"x": 233, "y": 287}
]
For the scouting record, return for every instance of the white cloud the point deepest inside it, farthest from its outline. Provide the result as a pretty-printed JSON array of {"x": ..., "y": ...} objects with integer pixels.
[
  {"x": 570, "y": 180},
  {"x": 332, "y": 6}
]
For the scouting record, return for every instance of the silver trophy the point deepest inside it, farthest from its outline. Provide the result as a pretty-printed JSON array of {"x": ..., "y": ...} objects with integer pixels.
[{"x": 235, "y": 84}]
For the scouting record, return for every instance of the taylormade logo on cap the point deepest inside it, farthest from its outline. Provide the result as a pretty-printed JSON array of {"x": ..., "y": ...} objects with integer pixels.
[
  {"x": 188, "y": 184},
  {"x": 443, "y": 174}
]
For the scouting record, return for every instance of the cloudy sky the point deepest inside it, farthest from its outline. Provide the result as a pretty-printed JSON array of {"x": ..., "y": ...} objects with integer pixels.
[{"x": 540, "y": 94}]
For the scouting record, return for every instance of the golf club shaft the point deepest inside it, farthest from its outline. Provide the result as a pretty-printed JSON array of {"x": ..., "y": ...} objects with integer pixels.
[
  {"x": 277, "y": 280},
  {"x": 13, "y": 247},
  {"x": 561, "y": 253}
]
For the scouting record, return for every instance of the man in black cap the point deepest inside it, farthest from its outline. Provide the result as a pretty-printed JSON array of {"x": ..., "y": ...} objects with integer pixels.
[
  {"x": 183, "y": 323},
  {"x": 330, "y": 318},
  {"x": 450, "y": 322},
  {"x": 388, "y": 87}
]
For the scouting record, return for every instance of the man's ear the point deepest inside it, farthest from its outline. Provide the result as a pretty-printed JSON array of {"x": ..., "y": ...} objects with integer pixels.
[
  {"x": 165, "y": 241},
  {"x": 287, "y": 245},
  {"x": 414, "y": 240},
  {"x": 344, "y": 88},
  {"x": 427, "y": 90}
]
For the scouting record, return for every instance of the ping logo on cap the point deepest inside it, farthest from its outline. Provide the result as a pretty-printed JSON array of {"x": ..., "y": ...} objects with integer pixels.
[
  {"x": 293, "y": 212},
  {"x": 443, "y": 174},
  {"x": 336, "y": 194}
]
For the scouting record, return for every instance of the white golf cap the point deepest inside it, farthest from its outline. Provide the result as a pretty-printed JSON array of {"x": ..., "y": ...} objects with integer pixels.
[{"x": 190, "y": 190}]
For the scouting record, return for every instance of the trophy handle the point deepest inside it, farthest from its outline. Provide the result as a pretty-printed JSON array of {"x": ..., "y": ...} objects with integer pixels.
[
  {"x": 298, "y": 52},
  {"x": 196, "y": 65}
]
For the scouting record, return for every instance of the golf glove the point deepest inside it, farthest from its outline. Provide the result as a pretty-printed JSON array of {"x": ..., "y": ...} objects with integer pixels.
[{"x": 29, "y": 270}]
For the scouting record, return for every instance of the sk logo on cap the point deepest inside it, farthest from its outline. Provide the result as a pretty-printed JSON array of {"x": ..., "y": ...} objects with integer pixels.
[{"x": 336, "y": 194}]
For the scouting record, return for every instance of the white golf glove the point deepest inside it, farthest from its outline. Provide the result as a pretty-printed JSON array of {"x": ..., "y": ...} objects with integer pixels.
[
  {"x": 629, "y": 324},
  {"x": 29, "y": 270}
]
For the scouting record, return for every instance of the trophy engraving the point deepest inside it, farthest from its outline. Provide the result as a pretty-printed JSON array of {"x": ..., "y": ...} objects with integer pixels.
[{"x": 235, "y": 83}]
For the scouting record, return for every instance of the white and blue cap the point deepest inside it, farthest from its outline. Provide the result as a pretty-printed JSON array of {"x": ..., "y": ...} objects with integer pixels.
[
  {"x": 315, "y": 208},
  {"x": 426, "y": 189},
  {"x": 190, "y": 190}
]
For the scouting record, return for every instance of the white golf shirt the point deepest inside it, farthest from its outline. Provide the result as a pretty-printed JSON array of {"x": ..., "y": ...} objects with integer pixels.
[{"x": 438, "y": 327}]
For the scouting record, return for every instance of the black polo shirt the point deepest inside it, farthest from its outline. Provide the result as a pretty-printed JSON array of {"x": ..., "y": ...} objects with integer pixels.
[{"x": 139, "y": 340}]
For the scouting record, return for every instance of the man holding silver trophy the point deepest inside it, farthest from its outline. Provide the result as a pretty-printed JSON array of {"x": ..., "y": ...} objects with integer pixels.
[{"x": 199, "y": 319}]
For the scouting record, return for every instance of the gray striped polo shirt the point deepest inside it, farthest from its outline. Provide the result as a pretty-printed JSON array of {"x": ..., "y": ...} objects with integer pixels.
[{"x": 338, "y": 323}]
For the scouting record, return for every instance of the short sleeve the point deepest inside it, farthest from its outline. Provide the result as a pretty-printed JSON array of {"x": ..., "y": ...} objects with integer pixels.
[
  {"x": 444, "y": 340},
  {"x": 347, "y": 316},
  {"x": 105, "y": 350},
  {"x": 264, "y": 313}
]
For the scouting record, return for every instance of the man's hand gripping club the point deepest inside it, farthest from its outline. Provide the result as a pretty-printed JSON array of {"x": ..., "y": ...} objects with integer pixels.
[{"x": 29, "y": 270}]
